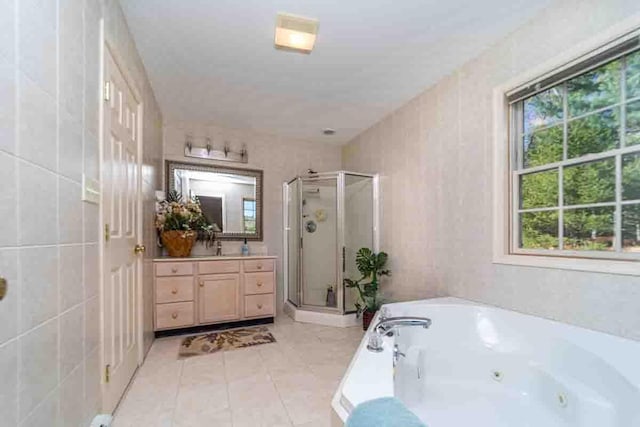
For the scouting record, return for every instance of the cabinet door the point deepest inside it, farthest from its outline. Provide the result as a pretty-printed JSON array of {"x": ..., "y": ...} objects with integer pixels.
[{"x": 219, "y": 297}]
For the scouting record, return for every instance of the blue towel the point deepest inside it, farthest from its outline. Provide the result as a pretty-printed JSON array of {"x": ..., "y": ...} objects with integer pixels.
[{"x": 383, "y": 412}]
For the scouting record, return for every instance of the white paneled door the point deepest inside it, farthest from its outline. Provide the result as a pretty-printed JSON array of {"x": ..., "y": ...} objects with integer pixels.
[{"x": 120, "y": 212}]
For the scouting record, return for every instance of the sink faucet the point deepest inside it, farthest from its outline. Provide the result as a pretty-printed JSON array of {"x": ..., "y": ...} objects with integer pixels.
[
  {"x": 219, "y": 248},
  {"x": 386, "y": 326}
]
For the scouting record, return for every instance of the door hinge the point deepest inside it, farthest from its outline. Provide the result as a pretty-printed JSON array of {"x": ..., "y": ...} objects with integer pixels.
[
  {"x": 107, "y": 233},
  {"x": 106, "y": 373},
  {"x": 107, "y": 90}
]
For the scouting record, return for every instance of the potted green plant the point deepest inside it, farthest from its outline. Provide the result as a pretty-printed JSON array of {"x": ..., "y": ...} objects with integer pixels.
[{"x": 371, "y": 266}]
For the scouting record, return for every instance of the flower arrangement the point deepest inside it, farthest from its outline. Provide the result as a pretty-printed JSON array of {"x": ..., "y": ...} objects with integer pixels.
[{"x": 181, "y": 223}]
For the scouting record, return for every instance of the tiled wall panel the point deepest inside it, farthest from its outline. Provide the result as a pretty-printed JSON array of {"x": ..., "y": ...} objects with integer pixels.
[
  {"x": 49, "y": 120},
  {"x": 435, "y": 156}
]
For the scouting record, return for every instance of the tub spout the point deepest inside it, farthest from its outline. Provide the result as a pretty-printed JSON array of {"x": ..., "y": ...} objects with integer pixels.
[{"x": 386, "y": 326}]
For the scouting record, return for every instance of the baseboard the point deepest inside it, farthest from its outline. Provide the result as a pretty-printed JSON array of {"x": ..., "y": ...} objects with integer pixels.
[{"x": 214, "y": 327}]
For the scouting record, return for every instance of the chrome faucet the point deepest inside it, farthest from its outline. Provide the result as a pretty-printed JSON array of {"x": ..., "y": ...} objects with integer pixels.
[
  {"x": 386, "y": 327},
  {"x": 219, "y": 248}
]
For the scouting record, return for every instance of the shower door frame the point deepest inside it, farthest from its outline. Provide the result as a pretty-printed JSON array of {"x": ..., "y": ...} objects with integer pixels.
[{"x": 340, "y": 237}]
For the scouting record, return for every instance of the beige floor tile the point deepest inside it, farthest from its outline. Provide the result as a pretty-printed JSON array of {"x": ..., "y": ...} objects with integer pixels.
[
  {"x": 271, "y": 415},
  {"x": 209, "y": 371},
  {"x": 205, "y": 418},
  {"x": 252, "y": 392},
  {"x": 245, "y": 363},
  {"x": 304, "y": 409},
  {"x": 196, "y": 399}
]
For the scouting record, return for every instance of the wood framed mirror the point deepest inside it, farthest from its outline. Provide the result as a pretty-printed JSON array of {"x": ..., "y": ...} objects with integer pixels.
[{"x": 230, "y": 197}]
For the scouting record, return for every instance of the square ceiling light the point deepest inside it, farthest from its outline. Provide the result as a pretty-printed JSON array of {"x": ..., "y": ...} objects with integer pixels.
[{"x": 295, "y": 33}]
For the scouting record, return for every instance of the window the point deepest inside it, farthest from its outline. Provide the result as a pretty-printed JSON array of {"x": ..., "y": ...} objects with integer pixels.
[
  {"x": 575, "y": 162},
  {"x": 249, "y": 215}
]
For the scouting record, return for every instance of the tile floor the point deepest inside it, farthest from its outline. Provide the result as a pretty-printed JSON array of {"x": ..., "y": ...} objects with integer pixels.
[{"x": 288, "y": 383}]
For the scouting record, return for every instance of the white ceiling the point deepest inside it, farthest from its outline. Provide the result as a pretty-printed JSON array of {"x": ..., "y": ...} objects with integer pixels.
[{"x": 213, "y": 61}]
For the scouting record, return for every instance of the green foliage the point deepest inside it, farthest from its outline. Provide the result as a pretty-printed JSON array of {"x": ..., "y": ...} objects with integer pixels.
[
  {"x": 593, "y": 182},
  {"x": 371, "y": 266}
]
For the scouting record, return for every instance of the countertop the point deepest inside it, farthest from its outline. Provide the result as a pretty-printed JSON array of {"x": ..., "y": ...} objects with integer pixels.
[{"x": 211, "y": 258}]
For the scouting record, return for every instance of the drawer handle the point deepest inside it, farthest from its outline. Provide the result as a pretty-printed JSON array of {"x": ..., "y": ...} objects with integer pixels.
[
  {"x": 259, "y": 284},
  {"x": 201, "y": 283},
  {"x": 174, "y": 316},
  {"x": 259, "y": 266},
  {"x": 174, "y": 291},
  {"x": 174, "y": 269},
  {"x": 259, "y": 306}
]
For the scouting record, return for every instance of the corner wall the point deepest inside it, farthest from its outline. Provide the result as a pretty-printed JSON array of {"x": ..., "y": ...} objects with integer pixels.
[
  {"x": 49, "y": 239},
  {"x": 435, "y": 156}
]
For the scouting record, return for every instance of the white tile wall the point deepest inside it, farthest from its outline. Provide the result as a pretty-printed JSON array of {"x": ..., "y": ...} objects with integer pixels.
[
  {"x": 49, "y": 121},
  {"x": 435, "y": 157}
]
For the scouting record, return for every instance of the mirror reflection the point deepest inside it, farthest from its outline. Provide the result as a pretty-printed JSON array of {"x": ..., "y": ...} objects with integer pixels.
[{"x": 229, "y": 198}]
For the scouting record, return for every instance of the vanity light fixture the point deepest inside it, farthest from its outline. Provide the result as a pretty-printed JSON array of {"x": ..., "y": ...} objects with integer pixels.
[{"x": 295, "y": 33}]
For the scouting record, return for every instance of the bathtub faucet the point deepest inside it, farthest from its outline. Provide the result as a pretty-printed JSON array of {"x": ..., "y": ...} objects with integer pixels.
[{"x": 386, "y": 326}]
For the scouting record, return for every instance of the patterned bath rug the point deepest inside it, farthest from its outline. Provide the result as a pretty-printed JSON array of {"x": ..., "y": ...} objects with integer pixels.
[{"x": 225, "y": 340}]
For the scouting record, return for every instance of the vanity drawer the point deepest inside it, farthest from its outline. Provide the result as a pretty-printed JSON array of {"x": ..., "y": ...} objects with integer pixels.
[
  {"x": 258, "y": 283},
  {"x": 217, "y": 267},
  {"x": 174, "y": 289},
  {"x": 251, "y": 265},
  {"x": 258, "y": 305},
  {"x": 174, "y": 269},
  {"x": 174, "y": 315}
]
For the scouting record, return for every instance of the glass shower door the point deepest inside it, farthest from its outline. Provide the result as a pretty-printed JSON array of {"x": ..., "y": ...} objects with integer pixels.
[
  {"x": 358, "y": 228},
  {"x": 319, "y": 233},
  {"x": 293, "y": 241}
]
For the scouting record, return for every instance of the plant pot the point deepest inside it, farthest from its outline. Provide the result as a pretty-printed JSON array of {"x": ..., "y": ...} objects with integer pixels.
[
  {"x": 367, "y": 317},
  {"x": 178, "y": 243}
]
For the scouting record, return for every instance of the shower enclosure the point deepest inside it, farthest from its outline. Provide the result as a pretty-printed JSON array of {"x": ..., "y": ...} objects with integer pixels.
[{"x": 328, "y": 217}]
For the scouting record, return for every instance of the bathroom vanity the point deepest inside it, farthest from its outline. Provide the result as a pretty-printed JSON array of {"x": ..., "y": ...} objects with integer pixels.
[{"x": 201, "y": 291}]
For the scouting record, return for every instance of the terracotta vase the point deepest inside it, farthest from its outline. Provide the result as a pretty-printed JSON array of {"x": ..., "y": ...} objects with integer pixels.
[
  {"x": 367, "y": 317},
  {"x": 178, "y": 243}
]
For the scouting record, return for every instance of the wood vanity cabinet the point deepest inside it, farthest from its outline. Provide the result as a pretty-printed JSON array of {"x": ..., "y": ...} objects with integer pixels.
[{"x": 190, "y": 292}]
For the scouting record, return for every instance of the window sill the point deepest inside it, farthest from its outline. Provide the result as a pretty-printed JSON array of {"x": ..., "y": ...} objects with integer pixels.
[{"x": 628, "y": 268}]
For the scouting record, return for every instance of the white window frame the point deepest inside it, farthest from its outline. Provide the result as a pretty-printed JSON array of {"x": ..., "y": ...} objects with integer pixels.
[{"x": 503, "y": 239}]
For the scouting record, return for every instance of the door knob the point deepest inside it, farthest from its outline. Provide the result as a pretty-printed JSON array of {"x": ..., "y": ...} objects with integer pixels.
[
  {"x": 3, "y": 288},
  {"x": 139, "y": 249}
]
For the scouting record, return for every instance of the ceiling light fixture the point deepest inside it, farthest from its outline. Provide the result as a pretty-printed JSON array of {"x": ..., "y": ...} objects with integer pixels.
[
  {"x": 295, "y": 33},
  {"x": 328, "y": 131}
]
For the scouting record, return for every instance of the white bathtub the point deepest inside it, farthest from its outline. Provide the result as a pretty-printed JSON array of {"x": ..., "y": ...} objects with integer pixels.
[{"x": 480, "y": 366}]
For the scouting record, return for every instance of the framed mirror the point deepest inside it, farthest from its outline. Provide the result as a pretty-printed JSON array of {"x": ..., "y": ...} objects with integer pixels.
[{"x": 229, "y": 197}]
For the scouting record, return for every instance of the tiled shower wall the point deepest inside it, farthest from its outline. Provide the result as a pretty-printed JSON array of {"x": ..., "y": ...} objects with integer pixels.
[
  {"x": 49, "y": 121},
  {"x": 435, "y": 159}
]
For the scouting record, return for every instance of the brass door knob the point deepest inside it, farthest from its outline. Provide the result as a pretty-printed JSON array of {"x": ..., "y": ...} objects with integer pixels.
[
  {"x": 174, "y": 316},
  {"x": 3, "y": 288},
  {"x": 139, "y": 249}
]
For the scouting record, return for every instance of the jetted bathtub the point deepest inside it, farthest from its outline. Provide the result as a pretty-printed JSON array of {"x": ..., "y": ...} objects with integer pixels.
[{"x": 480, "y": 366}]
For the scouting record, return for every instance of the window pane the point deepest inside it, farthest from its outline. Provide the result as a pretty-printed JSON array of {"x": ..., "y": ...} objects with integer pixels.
[
  {"x": 596, "y": 89},
  {"x": 539, "y": 230},
  {"x": 589, "y": 229},
  {"x": 543, "y": 147},
  {"x": 633, "y": 123},
  {"x": 539, "y": 190},
  {"x": 633, "y": 75},
  {"x": 593, "y": 182},
  {"x": 631, "y": 228},
  {"x": 594, "y": 134},
  {"x": 631, "y": 176},
  {"x": 542, "y": 109}
]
